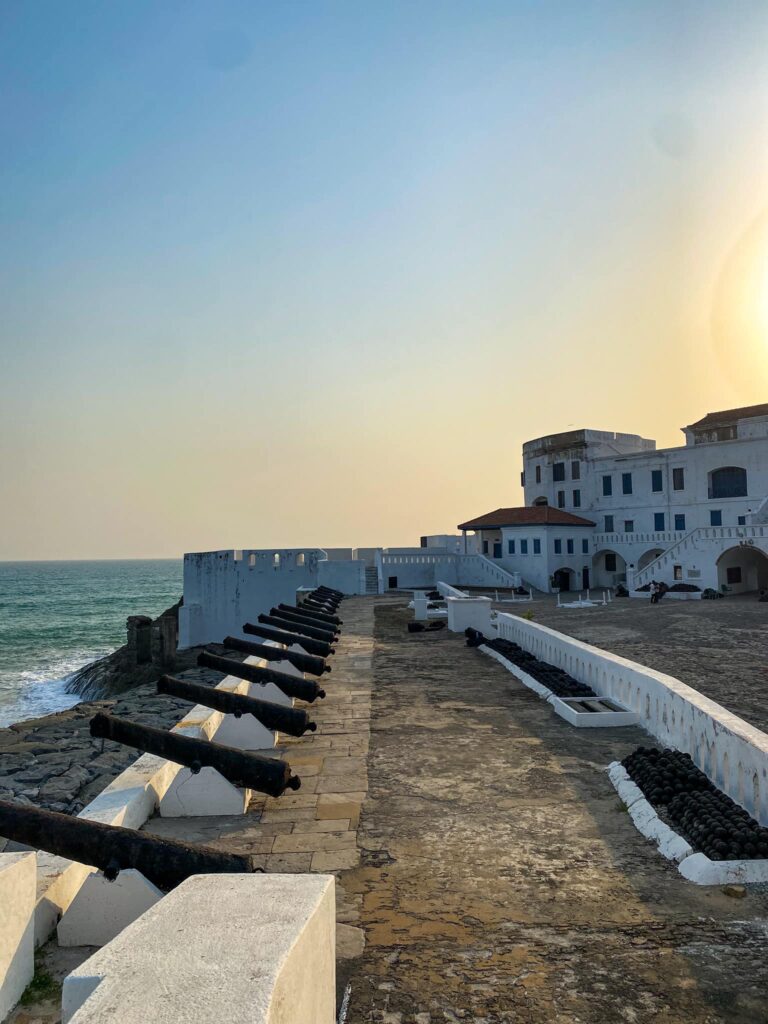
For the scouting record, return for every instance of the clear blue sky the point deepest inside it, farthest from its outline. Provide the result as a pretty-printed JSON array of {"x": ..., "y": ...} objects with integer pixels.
[{"x": 360, "y": 250}]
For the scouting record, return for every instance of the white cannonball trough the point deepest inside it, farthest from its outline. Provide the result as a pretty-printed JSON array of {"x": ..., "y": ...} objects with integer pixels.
[
  {"x": 696, "y": 867},
  {"x": 219, "y": 949}
]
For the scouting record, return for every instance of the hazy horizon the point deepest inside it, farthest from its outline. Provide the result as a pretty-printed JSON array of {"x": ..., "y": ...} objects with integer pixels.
[{"x": 277, "y": 274}]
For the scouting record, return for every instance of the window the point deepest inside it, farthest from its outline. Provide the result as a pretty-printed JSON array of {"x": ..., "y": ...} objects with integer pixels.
[
  {"x": 585, "y": 547},
  {"x": 742, "y": 520},
  {"x": 276, "y": 560},
  {"x": 733, "y": 574},
  {"x": 577, "y": 499},
  {"x": 729, "y": 482},
  {"x": 626, "y": 483},
  {"x": 536, "y": 546},
  {"x": 538, "y": 474},
  {"x": 607, "y": 486},
  {"x": 679, "y": 521},
  {"x": 609, "y": 524},
  {"x": 569, "y": 546},
  {"x": 523, "y": 547},
  {"x": 610, "y": 562},
  {"x": 629, "y": 526},
  {"x": 658, "y": 521},
  {"x": 558, "y": 471},
  {"x": 485, "y": 547},
  {"x": 678, "y": 479},
  {"x": 715, "y": 517},
  {"x": 300, "y": 558},
  {"x": 558, "y": 546},
  {"x": 522, "y": 479},
  {"x": 657, "y": 482},
  {"x": 510, "y": 547},
  {"x": 576, "y": 470},
  {"x": 497, "y": 549},
  {"x": 561, "y": 499},
  {"x": 677, "y": 572}
]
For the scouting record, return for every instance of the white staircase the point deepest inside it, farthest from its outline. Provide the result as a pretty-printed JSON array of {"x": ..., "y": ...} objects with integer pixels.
[{"x": 371, "y": 579}]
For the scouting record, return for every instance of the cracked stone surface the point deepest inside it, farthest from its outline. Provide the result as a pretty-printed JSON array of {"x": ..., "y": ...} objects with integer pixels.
[{"x": 500, "y": 878}]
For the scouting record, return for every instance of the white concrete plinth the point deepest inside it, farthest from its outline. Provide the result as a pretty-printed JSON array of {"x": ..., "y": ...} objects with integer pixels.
[
  {"x": 203, "y": 794},
  {"x": 245, "y": 733},
  {"x": 219, "y": 949},
  {"x": 101, "y": 909},
  {"x": 465, "y": 612},
  {"x": 420, "y": 603},
  {"x": 18, "y": 882}
]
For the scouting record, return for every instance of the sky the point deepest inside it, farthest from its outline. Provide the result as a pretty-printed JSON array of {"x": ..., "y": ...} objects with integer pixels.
[{"x": 301, "y": 273}]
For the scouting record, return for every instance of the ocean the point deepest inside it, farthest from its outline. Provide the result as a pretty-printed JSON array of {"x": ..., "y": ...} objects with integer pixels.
[{"x": 56, "y": 617}]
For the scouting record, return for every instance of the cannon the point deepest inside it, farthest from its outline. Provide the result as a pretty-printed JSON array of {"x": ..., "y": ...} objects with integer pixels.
[
  {"x": 247, "y": 771},
  {"x": 321, "y": 589},
  {"x": 291, "y": 721},
  {"x": 289, "y": 637},
  {"x": 325, "y": 603},
  {"x": 303, "y": 662},
  {"x": 331, "y": 632},
  {"x": 296, "y": 627},
  {"x": 302, "y": 609},
  {"x": 292, "y": 686},
  {"x": 164, "y": 862}
]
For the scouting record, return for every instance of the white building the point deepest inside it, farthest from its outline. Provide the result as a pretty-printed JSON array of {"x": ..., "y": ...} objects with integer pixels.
[{"x": 695, "y": 514}]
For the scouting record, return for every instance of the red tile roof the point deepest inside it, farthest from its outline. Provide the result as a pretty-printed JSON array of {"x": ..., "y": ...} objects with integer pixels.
[
  {"x": 712, "y": 419},
  {"x": 528, "y": 515}
]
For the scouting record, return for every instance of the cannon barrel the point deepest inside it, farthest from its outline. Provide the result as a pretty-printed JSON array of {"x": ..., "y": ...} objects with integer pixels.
[
  {"x": 277, "y": 717},
  {"x": 292, "y": 686},
  {"x": 303, "y": 609},
  {"x": 326, "y": 603},
  {"x": 165, "y": 862},
  {"x": 321, "y": 589},
  {"x": 303, "y": 662},
  {"x": 249, "y": 771},
  {"x": 326, "y": 595},
  {"x": 296, "y": 627},
  {"x": 290, "y": 637},
  {"x": 331, "y": 632}
]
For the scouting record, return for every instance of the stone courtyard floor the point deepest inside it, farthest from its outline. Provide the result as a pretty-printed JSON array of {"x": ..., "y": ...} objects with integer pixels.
[{"x": 486, "y": 870}]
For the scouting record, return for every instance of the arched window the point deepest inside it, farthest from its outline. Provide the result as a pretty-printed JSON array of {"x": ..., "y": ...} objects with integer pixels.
[
  {"x": 540, "y": 501},
  {"x": 728, "y": 482}
]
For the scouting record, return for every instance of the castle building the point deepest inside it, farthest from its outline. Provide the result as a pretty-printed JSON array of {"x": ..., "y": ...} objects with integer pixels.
[{"x": 603, "y": 508}]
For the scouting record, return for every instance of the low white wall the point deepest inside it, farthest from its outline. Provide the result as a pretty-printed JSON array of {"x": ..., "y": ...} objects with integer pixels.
[
  {"x": 130, "y": 799},
  {"x": 219, "y": 949},
  {"x": 18, "y": 873},
  {"x": 446, "y": 590},
  {"x": 727, "y": 749},
  {"x": 469, "y": 612}
]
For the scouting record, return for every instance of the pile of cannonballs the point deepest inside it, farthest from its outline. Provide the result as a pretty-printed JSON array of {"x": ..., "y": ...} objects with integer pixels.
[
  {"x": 709, "y": 820},
  {"x": 559, "y": 682}
]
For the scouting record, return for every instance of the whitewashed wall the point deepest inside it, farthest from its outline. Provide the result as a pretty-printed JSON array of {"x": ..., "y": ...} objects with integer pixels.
[
  {"x": 224, "y": 589},
  {"x": 732, "y": 753},
  {"x": 348, "y": 576}
]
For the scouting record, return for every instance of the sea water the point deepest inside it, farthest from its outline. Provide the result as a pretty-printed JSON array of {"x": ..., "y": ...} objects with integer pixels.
[{"x": 56, "y": 617}]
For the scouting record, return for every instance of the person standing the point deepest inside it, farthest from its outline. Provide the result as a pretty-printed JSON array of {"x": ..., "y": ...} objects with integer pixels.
[{"x": 654, "y": 592}]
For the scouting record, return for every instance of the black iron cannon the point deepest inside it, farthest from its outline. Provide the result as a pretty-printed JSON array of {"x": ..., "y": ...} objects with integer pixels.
[
  {"x": 296, "y": 627},
  {"x": 303, "y": 609},
  {"x": 292, "y": 686},
  {"x": 289, "y": 637},
  {"x": 303, "y": 662},
  {"x": 277, "y": 717},
  {"x": 165, "y": 862},
  {"x": 249, "y": 771},
  {"x": 330, "y": 632},
  {"x": 321, "y": 589}
]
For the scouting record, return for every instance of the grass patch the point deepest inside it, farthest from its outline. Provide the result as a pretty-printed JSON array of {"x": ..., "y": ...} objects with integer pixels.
[{"x": 42, "y": 988}]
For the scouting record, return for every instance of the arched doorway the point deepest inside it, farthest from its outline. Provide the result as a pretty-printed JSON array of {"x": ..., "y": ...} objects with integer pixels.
[
  {"x": 608, "y": 569},
  {"x": 564, "y": 580},
  {"x": 742, "y": 569},
  {"x": 648, "y": 556},
  {"x": 538, "y": 502}
]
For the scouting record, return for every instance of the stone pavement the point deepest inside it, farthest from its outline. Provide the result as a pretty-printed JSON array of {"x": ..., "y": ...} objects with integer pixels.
[{"x": 501, "y": 879}]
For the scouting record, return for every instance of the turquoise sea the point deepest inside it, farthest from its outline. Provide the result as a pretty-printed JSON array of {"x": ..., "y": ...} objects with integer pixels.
[{"x": 55, "y": 617}]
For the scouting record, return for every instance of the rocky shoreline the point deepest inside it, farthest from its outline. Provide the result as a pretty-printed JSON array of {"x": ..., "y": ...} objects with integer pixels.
[{"x": 54, "y": 763}]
